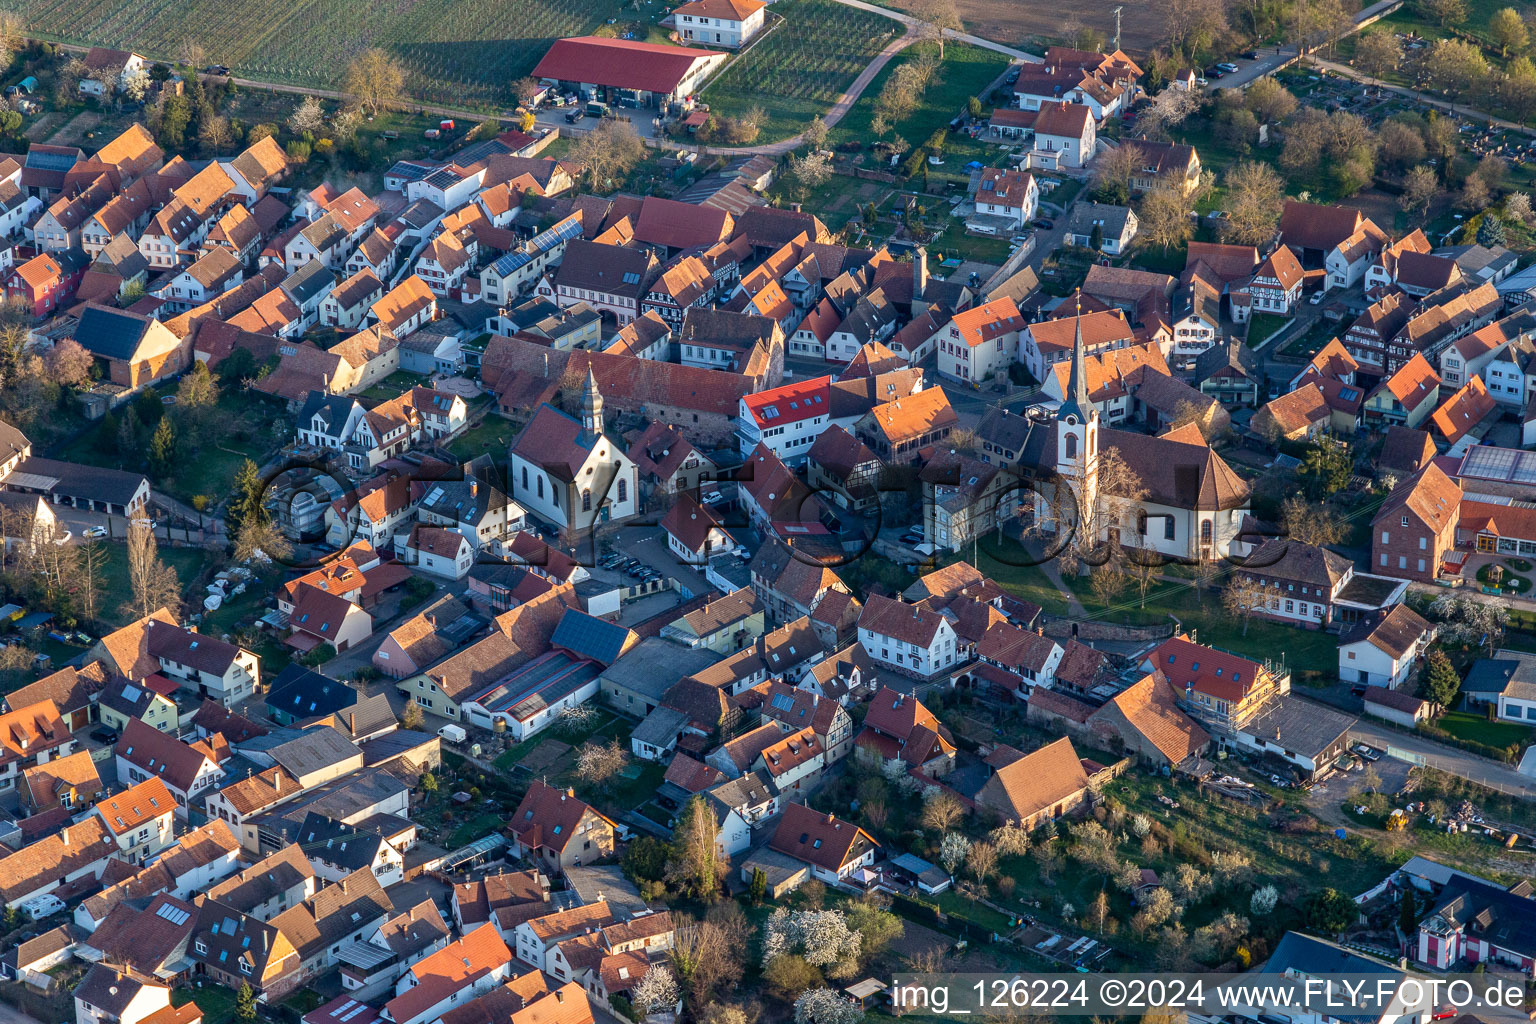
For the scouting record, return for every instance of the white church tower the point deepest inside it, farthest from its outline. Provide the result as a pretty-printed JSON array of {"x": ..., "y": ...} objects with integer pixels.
[{"x": 1077, "y": 432}]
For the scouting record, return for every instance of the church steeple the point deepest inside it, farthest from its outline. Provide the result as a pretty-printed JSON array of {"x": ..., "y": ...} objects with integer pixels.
[
  {"x": 1076, "y": 399},
  {"x": 1077, "y": 429},
  {"x": 591, "y": 405}
]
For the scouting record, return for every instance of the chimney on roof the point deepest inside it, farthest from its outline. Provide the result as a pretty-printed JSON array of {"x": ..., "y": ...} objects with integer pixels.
[{"x": 919, "y": 271}]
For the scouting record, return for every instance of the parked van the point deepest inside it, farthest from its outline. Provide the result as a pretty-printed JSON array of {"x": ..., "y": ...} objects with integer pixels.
[{"x": 453, "y": 733}]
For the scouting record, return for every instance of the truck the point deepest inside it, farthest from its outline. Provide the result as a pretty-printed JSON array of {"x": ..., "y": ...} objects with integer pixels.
[{"x": 453, "y": 733}]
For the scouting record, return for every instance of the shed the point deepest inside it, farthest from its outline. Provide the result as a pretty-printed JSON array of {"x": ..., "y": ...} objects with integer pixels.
[
  {"x": 927, "y": 877},
  {"x": 1395, "y": 706}
]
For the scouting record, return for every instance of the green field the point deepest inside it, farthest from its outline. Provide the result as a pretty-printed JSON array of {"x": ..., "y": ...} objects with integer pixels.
[
  {"x": 456, "y": 51},
  {"x": 802, "y": 66}
]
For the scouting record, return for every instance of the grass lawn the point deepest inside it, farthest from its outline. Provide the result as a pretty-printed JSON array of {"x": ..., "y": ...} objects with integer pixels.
[
  {"x": 965, "y": 72},
  {"x": 242, "y": 426},
  {"x": 1507, "y": 580},
  {"x": 1262, "y": 325},
  {"x": 216, "y": 1002},
  {"x": 474, "y": 828},
  {"x": 802, "y": 66},
  {"x": 490, "y": 436},
  {"x": 188, "y": 563},
  {"x": 955, "y": 242},
  {"x": 1468, "y": 725},
  {"x": 393, "y": 386}
]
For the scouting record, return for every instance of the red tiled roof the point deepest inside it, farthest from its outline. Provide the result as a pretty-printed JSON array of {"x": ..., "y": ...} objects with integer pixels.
[{"x": 619, "y": 63}]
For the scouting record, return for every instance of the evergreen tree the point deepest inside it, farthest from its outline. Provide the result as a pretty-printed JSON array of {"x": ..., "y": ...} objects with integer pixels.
[
  {"x": 1439, "y": 684},
  {"x": 245, "y": 1004},
  {"x": 245, "y": 498},
  {"x": 162, "y": 446},
  {"x": 1491, "y": 231}
]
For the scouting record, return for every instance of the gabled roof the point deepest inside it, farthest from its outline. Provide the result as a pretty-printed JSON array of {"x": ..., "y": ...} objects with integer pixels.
[
  {"x": 1150, "y": 706},
  {"x": 1315, "y": 226},
  {"x": 1463, "y": 410},
  {"x": 547, "y": 817},
  {"x": 1394, "y": 633},
  {"x": 1191, "y": 666},
  {"x": 820, "y": 839},
  {"x": 619, "y": 63},
  {"x": 1045, "y": 777}
]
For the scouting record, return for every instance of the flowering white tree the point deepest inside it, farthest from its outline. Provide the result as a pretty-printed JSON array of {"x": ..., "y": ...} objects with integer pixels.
[
  {"x": 656, "y": 991},
  {"x": 952, "y": 851},
  {"x": 824, "y": 1006},
  {"x": 1010, "y": 839},
  {"x": 1263, "y": 900},
  {"x": 133, "y": 83},
  {"x": 1141, "y": 825},
  {"x": 821, "y": 936}
]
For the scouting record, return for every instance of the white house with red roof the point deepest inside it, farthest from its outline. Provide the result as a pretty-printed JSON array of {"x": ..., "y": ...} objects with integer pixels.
[
  {"x": 693, "y": 532},
  {"x": 980, "y": 341},
  {"x": 786, "y": 420},
  {"x": 1009, "y": 194},
  {"x": 720, "y": 22},
  {"x": 1065, "y": 135},
  {"x": 909, "y": 637},
  {"x": 452, "y": 976},
  {"x": 1276, "y": 284},
  {"x": 833, "y": 848}
]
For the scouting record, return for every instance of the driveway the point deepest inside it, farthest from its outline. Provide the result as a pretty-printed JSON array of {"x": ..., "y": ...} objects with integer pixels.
[{"x": 1460, "y": 763}]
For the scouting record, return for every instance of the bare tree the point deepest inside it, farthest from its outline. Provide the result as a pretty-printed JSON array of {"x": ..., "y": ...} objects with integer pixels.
[
  {"x": 941, "y": 812},
  {"x": 1242, "y": 596},
  {"x": 938, "y": 17},
  {"x": 192, "y": 54},
  {"x": 216, "y": 132},
  {"x": 374, "y": 79},
  {"x": 1255, "y": 197},
  {"x": 1112, "y": 173},
  {"x": 609, "y": 152},
  {"x": 13, "y": 33},
  {"x": 1312, "y": 522},
  {"x": 1378, "y": 54},
  {"x": 258, "y": 538},
  {"x": 1107, "y": 582},
  {"x": 982, "y": 861},
  {"x": 598, "y": 763},
  {"x": 69, "y": 363},
  {"x": 1144, "y": 567},
  {"x": 89, "y": 574},
  {"x": 695, "y": 865},
  {"x": 1420, "y": 186},
  {"x": 152, "y": 584}
]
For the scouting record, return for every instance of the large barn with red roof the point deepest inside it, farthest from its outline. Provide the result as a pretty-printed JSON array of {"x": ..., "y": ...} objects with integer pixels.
[{"x": 628, "y": 72}]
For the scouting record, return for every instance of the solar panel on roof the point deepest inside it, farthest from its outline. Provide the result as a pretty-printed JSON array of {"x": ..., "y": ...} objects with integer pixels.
[
  {"x": 46, "y": 161},
  {"x": 131, "y": 693},
  {"x": 172, "y": 913}
]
